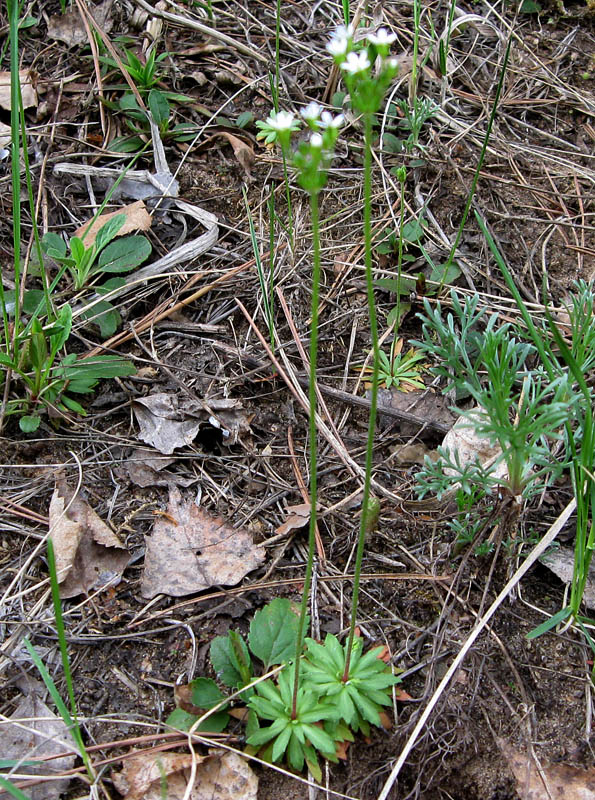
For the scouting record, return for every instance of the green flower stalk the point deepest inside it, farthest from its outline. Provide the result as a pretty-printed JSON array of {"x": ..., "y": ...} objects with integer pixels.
[
  {"x": 279, "y": 127},
  {"x": 367, "y": 87},
  {"x": 312, "y": 161}
]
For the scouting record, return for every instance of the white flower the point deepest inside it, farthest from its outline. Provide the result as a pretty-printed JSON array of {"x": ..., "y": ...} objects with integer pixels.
[
  {"x": 356, "y": 62},
  {"x": 281, "y": 121},
  {"x": 311, "y": 112},
  {"x": 316, "y": 141},
  {"x": 340, "y": 41},
  {"x": 328, "y": 121},
  {"x": 382, "y": 37}
]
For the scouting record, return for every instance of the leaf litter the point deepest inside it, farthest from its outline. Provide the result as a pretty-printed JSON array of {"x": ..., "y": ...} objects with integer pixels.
[
  {"x": 33, "y": 731},
  {"x": 220, "y": 775},
  {"x": 190, "y": 550},
  {"x": 88, "y": 553}
]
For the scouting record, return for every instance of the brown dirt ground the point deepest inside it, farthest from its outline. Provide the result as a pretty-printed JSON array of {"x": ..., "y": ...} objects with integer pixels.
[{"x": 535, "y": 191}]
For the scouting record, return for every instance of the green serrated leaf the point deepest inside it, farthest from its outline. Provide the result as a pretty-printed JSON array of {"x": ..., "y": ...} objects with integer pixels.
[
  {"x": 413, "y": 231},
  {"x": 54, "y": 243},
  {"x": 273, "y": 633},
  {"x": 224, "y": 663},
  {"x": 442, "y": 275},
  {"x": 124, "y": 255},
  {"x": 244, "y": 119},
  {"x": 205, "y": 693},
  {"x": 391, "y": 143}
]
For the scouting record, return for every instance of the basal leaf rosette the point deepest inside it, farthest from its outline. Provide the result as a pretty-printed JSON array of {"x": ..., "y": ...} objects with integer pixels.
[
  {"x": 359, "y": 699},
  {"x": 299, "y": 737}
]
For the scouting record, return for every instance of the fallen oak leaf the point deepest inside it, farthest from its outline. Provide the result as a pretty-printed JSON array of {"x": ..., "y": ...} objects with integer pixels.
[
  {"x": 560, "y": 781},
  {"x": 298, "y": 517}
]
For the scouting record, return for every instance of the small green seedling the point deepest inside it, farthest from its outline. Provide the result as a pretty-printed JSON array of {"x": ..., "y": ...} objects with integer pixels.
[
  {"x": 49, "y": 379},
  {"x": 398, "y": 370},
  {"x": 103, "y": 256}
]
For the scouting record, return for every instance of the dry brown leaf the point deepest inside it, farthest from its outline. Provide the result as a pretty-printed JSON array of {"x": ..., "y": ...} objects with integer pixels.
[
  {"x": 142, "y": 775},
  {"x": 162, "y": 424},
  {"x": 137, "y": 219},
  {"x": 195, "y": 551},
  {"x": 145, "y": 470},
  {"x": 5, "y": 135},
  {"x": 556, "y": 781},
  {"x": 298, "y": 517},
  {"x": 88, "y": 553},
  {"x": 69, "y": 27},
  {"x": 28, "y": 93},
  {"x": 242, "y": 151},
  {"x": 44, "y": 734},
  {"x": 165, "y": 776}
]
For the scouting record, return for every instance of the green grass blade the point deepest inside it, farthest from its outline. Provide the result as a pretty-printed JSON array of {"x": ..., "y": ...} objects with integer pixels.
[{"x": 11, "y": 789}]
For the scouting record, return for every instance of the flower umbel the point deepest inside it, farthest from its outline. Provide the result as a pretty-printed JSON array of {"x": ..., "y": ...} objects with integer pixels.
[{"x": 279, "y": 125}]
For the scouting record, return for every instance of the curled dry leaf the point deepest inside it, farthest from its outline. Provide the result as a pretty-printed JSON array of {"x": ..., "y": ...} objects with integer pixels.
[
  {"x": 70, "y": 29},
  {"x": 137, "y": 219},
  {"x": 298, "y": 516},
  {"x": 28, "y": 93},
  {"x": 538, "y": 782},
  {"x": 162, "y": 423},
  {"x": 191, "y": 550},
  {"x": 165, "y": 776},
  {"x": 88, "y": 553},
  {"x": 146, "y": 470}
]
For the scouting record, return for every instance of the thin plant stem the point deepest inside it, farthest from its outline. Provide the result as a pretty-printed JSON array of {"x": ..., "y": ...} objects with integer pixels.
[
  {"x": 399, "y": 270},
  {"x": 288, "y": 196},
  {"x": 413, "y": 84},
  {"x": 312, "y": 441},
  {"x": 76, "y": 732},
  {"x": 475, "y": 180},
  {"x": 271, "y": 303},
  {"x": 346, "y": 12},
  {"x": 368, "y": 120},
  {"x": 277, "y": 70}
]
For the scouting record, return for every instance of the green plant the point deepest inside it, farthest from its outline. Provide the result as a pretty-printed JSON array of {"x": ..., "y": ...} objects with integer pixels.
[
  {"x": 48, "y": 378},
  {"x": 34, "y": 334},
  {"x": 518, "y": 408},
  {"x": 69, "y": 716},
  {"x": 342, "y": 707},
  {"x": 397, "y": 369},
  {"x": 360, "y": 698},
  {"x": 104, "y": 256},
  {"x": 145, "y": 75},
  {"x": 267, "y": 283},
  {"x": 571, "y": 361}
]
